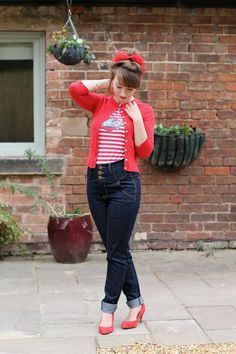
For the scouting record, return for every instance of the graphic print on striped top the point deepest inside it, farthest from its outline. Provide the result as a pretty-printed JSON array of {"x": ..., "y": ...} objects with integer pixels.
[{"x": 111, "y": 146}]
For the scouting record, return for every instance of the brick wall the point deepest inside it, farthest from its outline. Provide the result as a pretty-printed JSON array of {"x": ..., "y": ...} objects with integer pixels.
[{"x": 190, "y": 78}]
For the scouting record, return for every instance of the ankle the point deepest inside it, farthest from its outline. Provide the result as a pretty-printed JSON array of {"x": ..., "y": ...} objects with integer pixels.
[{"x": 106, "y": 319}]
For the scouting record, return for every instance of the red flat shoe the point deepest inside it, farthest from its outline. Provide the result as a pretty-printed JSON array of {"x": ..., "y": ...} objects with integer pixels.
[
  {"x": 133, "y": 324},
  {"x": 107, "y": 330}
]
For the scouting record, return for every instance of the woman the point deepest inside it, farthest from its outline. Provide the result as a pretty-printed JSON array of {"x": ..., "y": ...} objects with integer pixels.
[{"x": 122, "y": 129}]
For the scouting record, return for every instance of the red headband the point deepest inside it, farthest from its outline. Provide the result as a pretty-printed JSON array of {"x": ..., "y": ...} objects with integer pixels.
[{"x": 121, "y": 55}]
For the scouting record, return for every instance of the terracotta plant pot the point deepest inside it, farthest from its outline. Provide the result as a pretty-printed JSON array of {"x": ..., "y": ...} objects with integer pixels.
[
  {"x": 70, "y": 238},
  {"x": 69, "y": 56},
  {"x": 172, "y": 152}
]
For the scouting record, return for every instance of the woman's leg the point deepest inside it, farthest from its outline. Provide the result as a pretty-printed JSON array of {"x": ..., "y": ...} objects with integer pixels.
[
  {"x": 114, "y": 208},
  {"x": 121, "y": 215}
]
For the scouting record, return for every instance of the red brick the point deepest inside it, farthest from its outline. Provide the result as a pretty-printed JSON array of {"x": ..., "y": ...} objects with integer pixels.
[
  {"x": 232, "y": 226},
  {"x": 73, "y": 180},
  {"x": 170, "y": 104},
  {"x": 202, "y": 198},
  {"x": 215, "y": 161},
  {"x": 190, "y": 208},
  {"x": 229, "y": 161},
  {"x": 233, "y": 171},
  {"x": 190, "y": 226},
  {"x": 230, "y": 235},
  {"x": 177, "y": 217},
  {"x": 216, "y": 189},
  {"x": 159, "y": 85},
  {"x": 158, "y": 245},
  {"x": 226, "y": 217},
  {"x": 151, "y": 217},
  {"x": 226, "y": 77},
  {"x": 217, "y": 171},
  {"x": 216, "y": 226},
  {"x": 175, "y": 199},
  {"x": 179, "y": 86},
  {"x": 195, "y": 236},
  {"x": 210, "y": 58},
  {"x": 202, "y": 48},
  {"x": 162, "y": 227},
  {"x": 203, "y": 38},
  {"x": 232, "y": 49},
  {"x": 203, "y": 217},
  {"x": 231, "y": 87},
  {"x": 192, "y": 189},
  {"x": 158, "y": 208}
]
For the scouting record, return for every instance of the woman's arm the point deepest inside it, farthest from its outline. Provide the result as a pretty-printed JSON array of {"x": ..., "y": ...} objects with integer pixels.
[
  {"x": 83, "y": 92},
  {"x": 143, "y": 129},
  {"x": 96, "y": 85}
]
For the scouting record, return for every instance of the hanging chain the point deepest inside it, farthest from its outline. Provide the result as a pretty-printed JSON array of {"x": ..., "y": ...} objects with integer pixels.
[
  {"x": 69, "y": 19},
  {"x": 69, "y": 4}
]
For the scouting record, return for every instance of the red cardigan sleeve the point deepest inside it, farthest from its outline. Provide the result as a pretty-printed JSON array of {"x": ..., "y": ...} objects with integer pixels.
[
  {"x": 145, "y": 149},
  {"x": 83, "y": 97}
]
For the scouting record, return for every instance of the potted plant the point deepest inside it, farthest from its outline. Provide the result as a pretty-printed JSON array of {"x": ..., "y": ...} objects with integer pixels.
[
  {"x": 176, "y": 146},
  {"x": 69, "y": 233},
  {"x": 10, "y": 231},
  {"x": 67, "y": 47}
]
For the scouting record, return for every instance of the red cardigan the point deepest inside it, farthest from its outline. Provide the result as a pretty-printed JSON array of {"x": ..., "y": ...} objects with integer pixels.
[{"x": 102, "y": 106}]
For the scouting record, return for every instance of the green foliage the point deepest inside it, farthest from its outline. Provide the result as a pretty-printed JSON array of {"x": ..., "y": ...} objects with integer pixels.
[
  {"x": 51, "y": 204},
  {"x": 176, "y": 130},
  {"x": 202, "y": 246},
  {"x": 77, "y": 211},
  {"x": 10, "y": 231},
  {"x": 61, "y": 39}
]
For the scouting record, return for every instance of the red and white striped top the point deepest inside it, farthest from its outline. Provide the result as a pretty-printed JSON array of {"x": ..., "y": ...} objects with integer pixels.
[{"x": 111, "y": 145}]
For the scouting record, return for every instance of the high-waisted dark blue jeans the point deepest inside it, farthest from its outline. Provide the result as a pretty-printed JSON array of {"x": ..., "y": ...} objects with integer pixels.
[{"x": 114, "y": 200}]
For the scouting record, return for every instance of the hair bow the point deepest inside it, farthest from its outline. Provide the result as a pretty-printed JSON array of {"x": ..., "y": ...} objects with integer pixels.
[{"x": 121, "y": 55}]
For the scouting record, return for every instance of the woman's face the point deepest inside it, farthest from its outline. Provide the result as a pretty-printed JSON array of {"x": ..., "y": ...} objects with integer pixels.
[{"x": 122, "y": 94}]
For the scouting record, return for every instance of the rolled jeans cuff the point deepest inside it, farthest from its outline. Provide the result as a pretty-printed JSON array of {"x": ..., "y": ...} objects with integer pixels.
[
  {"x": 108, "y": 308},
  {"x": 135, "y": 302}
]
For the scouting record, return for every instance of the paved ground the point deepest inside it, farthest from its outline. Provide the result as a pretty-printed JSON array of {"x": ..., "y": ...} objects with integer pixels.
[{"x": 51, "y": 308}]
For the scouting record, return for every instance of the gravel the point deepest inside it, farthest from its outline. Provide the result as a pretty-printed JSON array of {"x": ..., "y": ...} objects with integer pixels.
[{"x": 225, "y": 348}]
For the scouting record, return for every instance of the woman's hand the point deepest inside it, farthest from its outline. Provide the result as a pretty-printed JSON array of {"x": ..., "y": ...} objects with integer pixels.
[
  {"x": 133, "y": 111},
  {"x": 140, "y": 134}
]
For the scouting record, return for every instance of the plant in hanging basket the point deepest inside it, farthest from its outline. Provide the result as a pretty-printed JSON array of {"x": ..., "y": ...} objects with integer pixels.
[
  {"x": 69, "y": 49},
  {"x": 176, "y": 146}
]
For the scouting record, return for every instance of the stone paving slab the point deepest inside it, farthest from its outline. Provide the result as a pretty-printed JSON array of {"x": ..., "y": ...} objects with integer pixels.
[
  {"x": 52, "y": 308},
  {"x": 214, "y": 317},
  {"x": 79, "y": 345},
  {"x": 177, "y": 332},
  {"x": 222, "y": 335}
]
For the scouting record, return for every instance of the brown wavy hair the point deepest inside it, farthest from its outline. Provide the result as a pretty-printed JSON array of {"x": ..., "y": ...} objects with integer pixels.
[{"x": 129, "y": 73}]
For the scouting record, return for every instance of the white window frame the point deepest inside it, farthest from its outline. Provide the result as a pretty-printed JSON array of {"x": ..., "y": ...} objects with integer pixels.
[{"x": 37, "y": 39}]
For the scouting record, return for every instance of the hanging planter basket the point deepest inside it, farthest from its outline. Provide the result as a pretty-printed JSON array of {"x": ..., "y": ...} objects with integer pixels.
[
  {"x": 175, "y": 150},
  {"x": 70, "y": 55},
  {"x": 67, "y": 47}
]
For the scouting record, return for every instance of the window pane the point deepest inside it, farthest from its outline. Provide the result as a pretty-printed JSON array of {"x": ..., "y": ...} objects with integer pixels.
[{"x": 16, "y": 101}]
